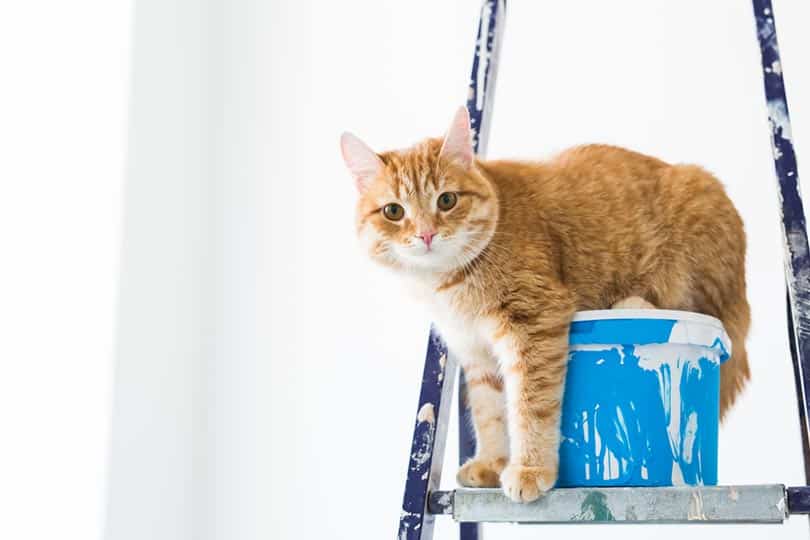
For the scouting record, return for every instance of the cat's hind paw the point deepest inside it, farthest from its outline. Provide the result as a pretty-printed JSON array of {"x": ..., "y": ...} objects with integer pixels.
[
  {"x": 481, "y": 473},
  {"x": 526, "y": 484},
  {"x": 632, "y": 302}
]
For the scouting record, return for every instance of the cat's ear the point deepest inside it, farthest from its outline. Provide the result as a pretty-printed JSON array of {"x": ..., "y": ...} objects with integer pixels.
[
  {"x": 457, "y": 144},
  {"x": 362, "y": 161}
]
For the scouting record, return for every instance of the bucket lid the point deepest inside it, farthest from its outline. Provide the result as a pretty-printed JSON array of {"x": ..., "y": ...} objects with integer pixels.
[{"x": 649, "y": 326}]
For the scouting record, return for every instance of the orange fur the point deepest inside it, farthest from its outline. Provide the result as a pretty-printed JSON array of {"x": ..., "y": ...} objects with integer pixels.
[{"x": 528, "y": 244}]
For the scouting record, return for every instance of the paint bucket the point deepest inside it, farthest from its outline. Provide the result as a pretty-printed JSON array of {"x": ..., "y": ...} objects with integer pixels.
[{"x": 641, "y": 403}]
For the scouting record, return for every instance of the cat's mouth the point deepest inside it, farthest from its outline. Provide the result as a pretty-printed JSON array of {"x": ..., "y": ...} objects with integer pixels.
[
  {"x": 440, "y": 255},
  {"x": 431, "y": 251},
  {"x": 446, "y": 253}
]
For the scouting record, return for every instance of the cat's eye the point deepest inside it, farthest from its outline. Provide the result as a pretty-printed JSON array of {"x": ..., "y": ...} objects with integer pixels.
[
  {"x": 447, "y": 200},
  {"x": 393, "y": 212}
]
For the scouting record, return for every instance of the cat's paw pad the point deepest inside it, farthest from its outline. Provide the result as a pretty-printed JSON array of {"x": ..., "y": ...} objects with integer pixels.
[
  {"x": 525, "y": 484},
  {"x": 632, "y": 302},
  {"x": 481, "y": 473}
]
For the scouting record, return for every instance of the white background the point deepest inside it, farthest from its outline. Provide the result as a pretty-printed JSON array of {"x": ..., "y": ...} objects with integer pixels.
[
  {"x": 266, "y": 375},
  {"x": 64, "y": 71}
]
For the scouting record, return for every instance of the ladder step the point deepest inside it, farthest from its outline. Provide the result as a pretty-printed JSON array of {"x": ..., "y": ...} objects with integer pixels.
[{"x": 682, "y": 504}]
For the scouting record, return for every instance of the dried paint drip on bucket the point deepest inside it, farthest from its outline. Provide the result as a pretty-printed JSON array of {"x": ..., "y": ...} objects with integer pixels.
[{"x": 641, "y": 403}]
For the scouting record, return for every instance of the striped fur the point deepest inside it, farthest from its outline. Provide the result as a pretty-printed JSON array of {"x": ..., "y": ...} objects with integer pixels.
[{"x": 528, "y": 244}]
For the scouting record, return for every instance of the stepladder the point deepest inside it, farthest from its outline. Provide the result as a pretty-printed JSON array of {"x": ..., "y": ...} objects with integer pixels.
[{"x": 424, "y": 502}]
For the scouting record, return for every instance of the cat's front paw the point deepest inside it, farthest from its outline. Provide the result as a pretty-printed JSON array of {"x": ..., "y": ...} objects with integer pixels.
[
  {"x": 481, "y": 473},
  {"x": 525, "y": 484}
]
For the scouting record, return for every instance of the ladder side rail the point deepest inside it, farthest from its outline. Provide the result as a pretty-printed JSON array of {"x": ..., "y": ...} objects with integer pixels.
[
  {"x": 797, "y": 380},
  {"x": 429, "y": 437},
  {"x": 794, "y": 230}
]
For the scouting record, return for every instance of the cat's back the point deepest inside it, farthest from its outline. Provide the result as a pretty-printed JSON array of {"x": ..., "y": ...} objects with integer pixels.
[
  {"x": 591, "y": 182},
  {"x": 612, "y": 167},
  {"x": 588, "y": 170},
  {"x": 596, "y": 167},
  {"x": 590, "y": 155}
]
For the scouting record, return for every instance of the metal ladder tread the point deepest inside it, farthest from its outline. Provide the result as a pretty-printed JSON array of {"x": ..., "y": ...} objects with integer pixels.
[{"x": 766, "y": 503}]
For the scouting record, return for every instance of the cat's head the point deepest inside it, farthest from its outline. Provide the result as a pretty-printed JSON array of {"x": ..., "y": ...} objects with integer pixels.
[{"x": 426, "y": 208}]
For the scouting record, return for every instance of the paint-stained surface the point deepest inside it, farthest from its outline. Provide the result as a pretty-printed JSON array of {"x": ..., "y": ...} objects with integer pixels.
[
  {"x": 594, "y": 508},
  {"x": 682, "y": 504},
  {"x": 429, "y": 434},
  {"x": 794, "y": 228},
  {"x": 641, "y": 404},
  {"x": 484, "y": 71}
]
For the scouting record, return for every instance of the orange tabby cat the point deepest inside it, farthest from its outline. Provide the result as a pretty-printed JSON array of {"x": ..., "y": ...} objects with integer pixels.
[{"x": 504, "y": 253}]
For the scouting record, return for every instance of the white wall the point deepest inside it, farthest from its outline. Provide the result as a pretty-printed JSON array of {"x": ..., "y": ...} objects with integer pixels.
[
  {"x": 64, "y": 68},
  {"x": 268, "y": 374},
  {"x": 167, "y": 334}
]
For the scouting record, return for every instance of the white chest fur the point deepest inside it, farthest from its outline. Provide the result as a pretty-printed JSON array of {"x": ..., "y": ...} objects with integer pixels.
[{"x": 467, "y": 333}]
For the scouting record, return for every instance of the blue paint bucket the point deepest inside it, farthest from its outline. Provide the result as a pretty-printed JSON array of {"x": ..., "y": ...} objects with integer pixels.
[{"x": 641, "y": 403}]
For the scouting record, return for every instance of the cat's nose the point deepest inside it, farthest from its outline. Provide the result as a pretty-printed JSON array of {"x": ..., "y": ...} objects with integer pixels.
[{"x": 427, "y": 237}]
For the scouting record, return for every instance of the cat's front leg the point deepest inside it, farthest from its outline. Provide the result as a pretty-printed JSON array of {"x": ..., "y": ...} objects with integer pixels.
[
  {"x": 486, "y": 402},
  {"x": 533, "y": 353}
]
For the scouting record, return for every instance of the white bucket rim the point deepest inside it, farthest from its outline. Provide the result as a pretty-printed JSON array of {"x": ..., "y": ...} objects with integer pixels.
[{"x": 659, "y": 314}]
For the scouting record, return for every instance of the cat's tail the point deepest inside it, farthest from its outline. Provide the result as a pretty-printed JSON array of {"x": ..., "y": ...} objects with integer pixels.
[{"x": 734, "y": 373}]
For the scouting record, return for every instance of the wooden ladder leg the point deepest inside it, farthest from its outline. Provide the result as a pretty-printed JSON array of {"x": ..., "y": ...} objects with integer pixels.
[{"x": 429, "y": 436}]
